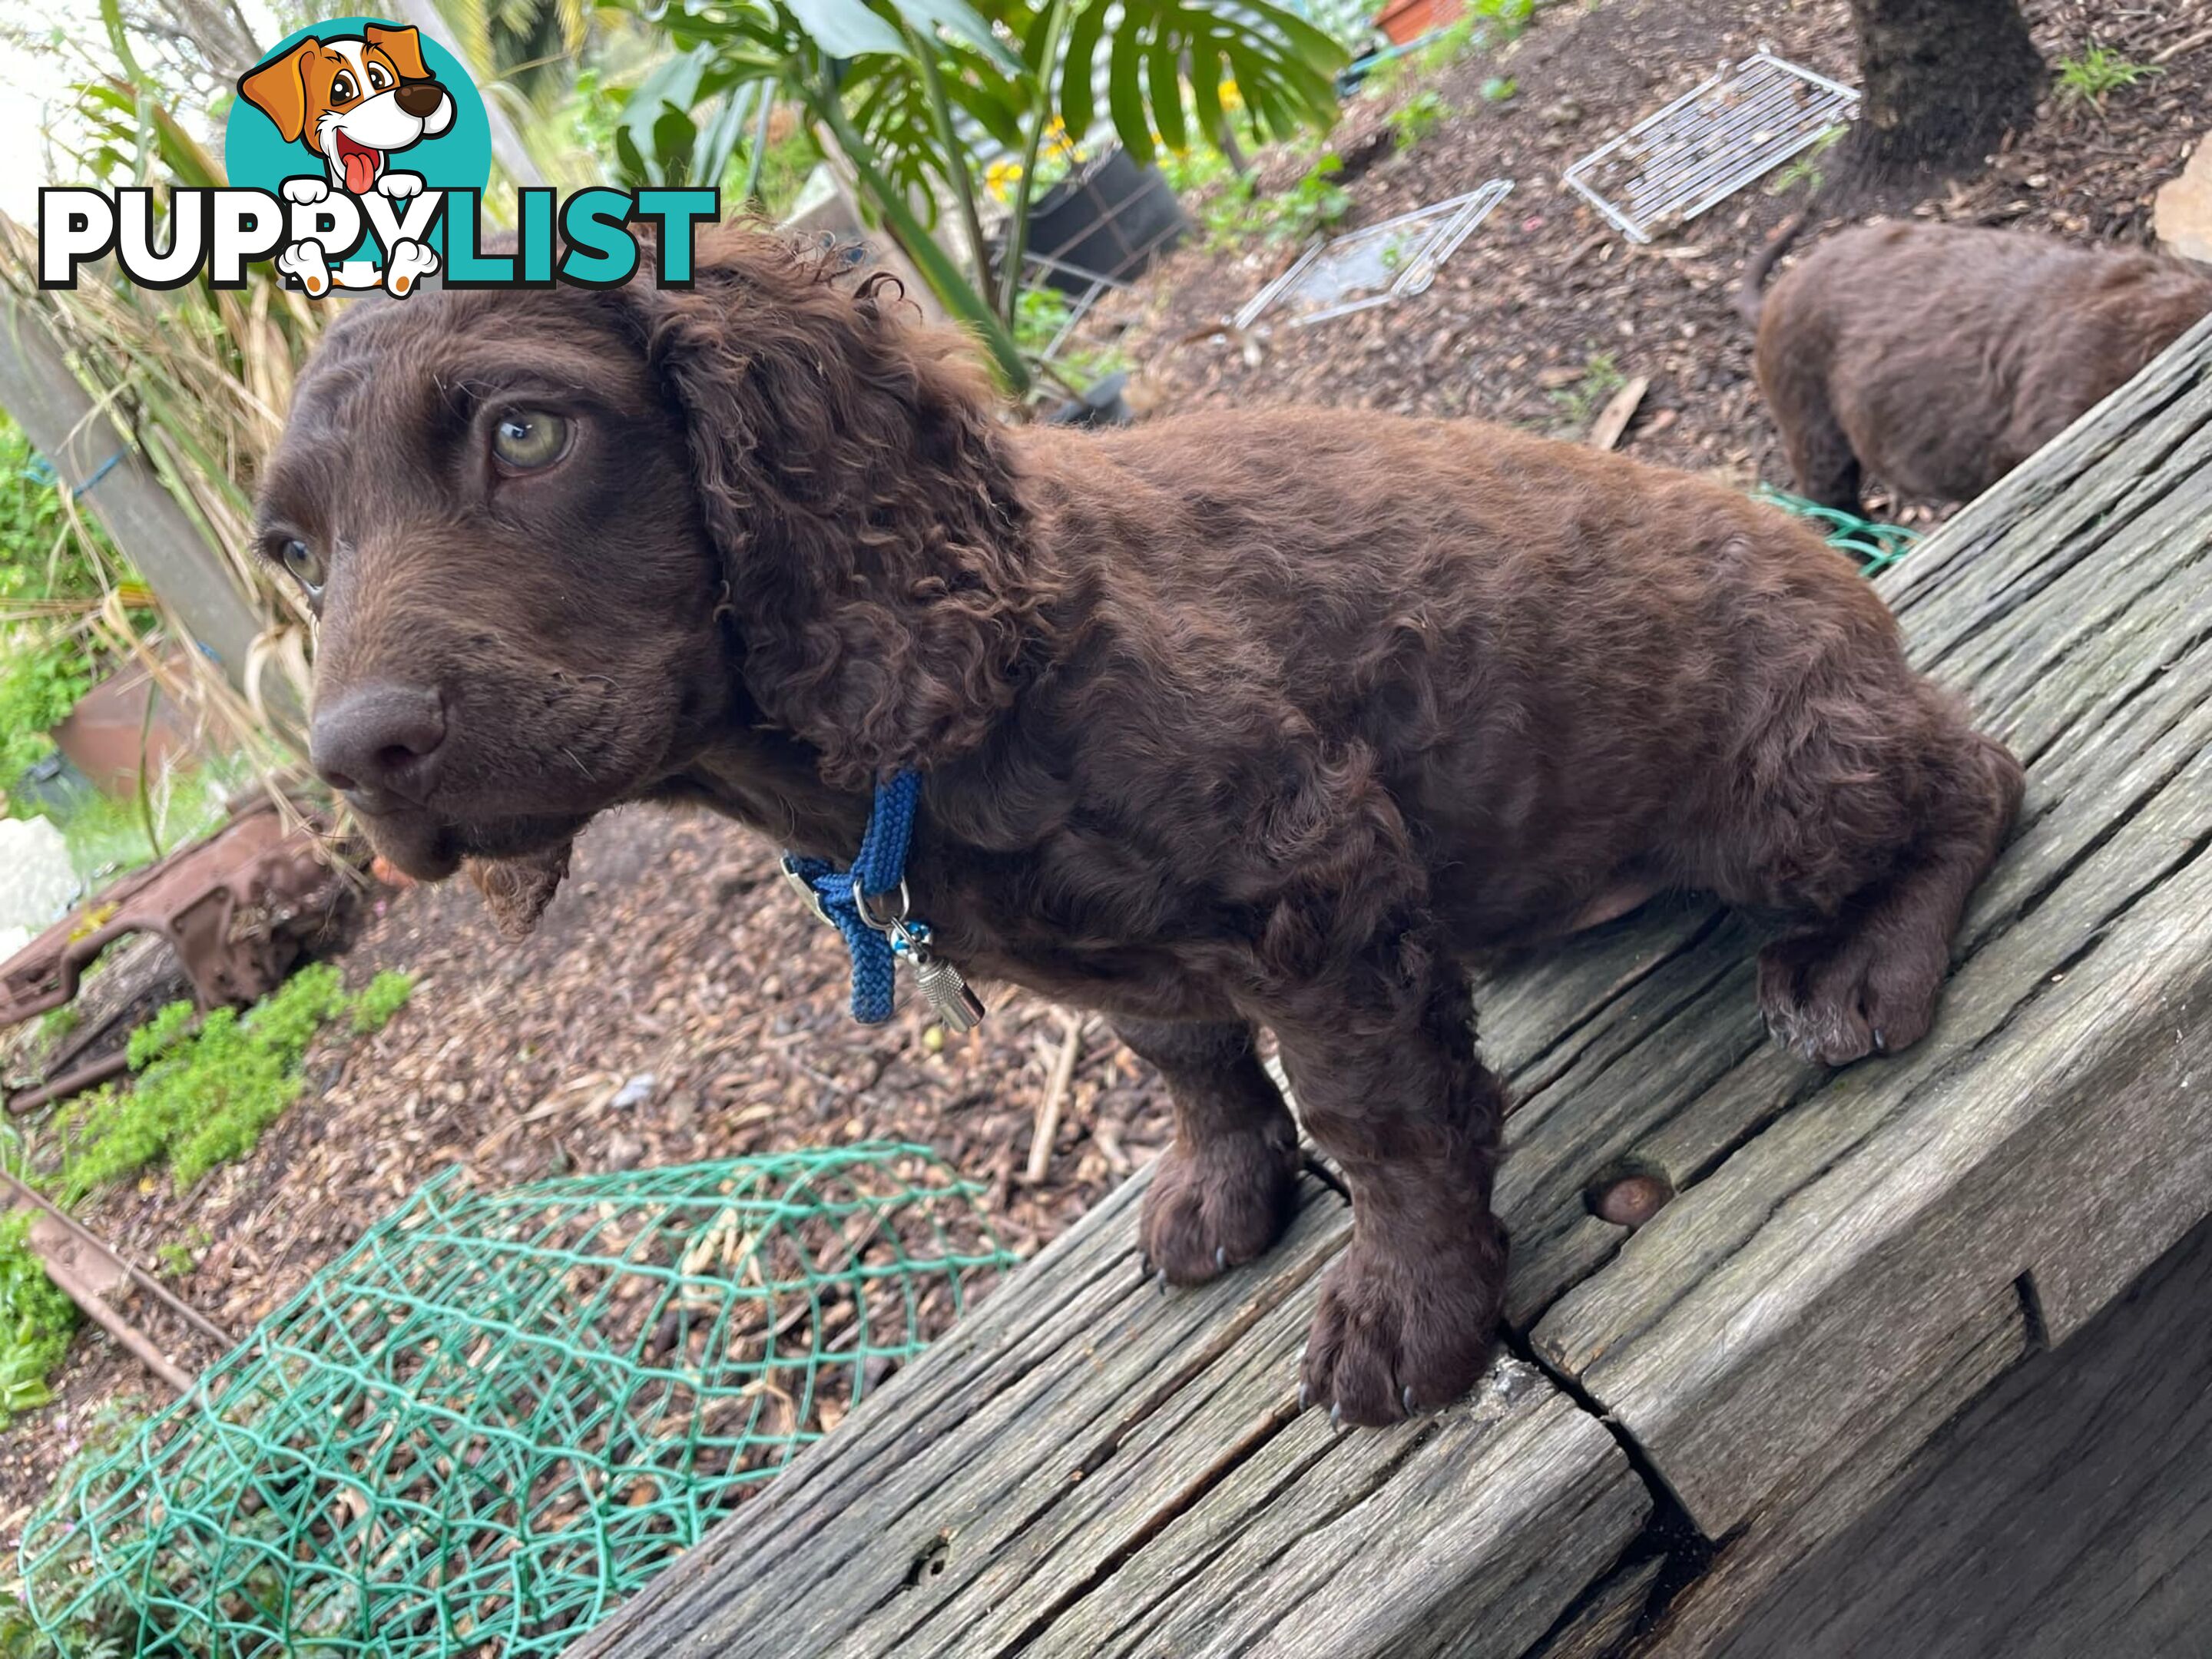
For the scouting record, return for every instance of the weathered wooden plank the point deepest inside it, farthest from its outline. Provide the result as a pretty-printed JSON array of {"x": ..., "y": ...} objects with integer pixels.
[
  {"x": 1816, "y": 1265},
  {"x": 1464, "y": 1536},
  {"x": 1065, "y": 1444},
  {"x": 2067, "y": 1512},
  {"x": 1802, "y": 1518}
]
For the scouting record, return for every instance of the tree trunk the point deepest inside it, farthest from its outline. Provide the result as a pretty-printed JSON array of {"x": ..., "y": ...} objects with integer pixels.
[{"x": 1945, "y": 80}]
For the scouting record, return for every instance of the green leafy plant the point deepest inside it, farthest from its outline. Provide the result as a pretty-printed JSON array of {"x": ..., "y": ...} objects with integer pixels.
[
  {"x": 206, "y": 1089},
  {"x": 1416, "y": 118},
  {"x": 2096, "y": 72},
  {"x": 1499, "y": 87},
  {"x": 1579, "y": 403},
  {"x": 889, "y": 81},
  {"x": 1315, "y": 202},
  {"x": 36, "y": 1321}
]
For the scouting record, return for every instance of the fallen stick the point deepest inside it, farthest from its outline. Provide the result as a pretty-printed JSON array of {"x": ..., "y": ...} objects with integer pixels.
[
  {"x": 120, "y": 1327},
  {"x": 144, "y": 1280},
  {"x": 1055, "y": 1093},
  {"x": 1618, "y": 413},
  {"x": 2179, "y": 47}
]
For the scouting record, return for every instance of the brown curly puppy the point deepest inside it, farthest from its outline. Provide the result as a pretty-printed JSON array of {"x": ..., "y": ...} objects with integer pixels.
[
  {"x": 1238, "y": 720},
  {"x": 1939, "y": 357}
]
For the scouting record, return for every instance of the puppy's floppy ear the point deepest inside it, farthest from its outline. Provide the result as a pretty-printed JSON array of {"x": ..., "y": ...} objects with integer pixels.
[
  {"x": 402, "y": 46},
  {"x": 278, "y": 89},
  {"x": 863, "y": 501}
]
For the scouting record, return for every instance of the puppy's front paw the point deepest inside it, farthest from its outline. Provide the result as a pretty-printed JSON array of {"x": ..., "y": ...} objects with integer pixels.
[
  {"x": 1404, "y": 1327},
  {"x": 400, "y": 186},
  {"x": 306, "y": 190},
  {"x": 1220, "y": 1205},
  {"x": 1837, "y": 995}
]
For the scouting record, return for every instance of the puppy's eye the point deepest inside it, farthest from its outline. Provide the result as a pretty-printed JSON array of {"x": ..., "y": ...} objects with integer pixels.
[
  {"x": 527, "y": 439},
  {"x": 305, "y": 564},
  {"x": 378, "y": 80},
  {"x": 342, "y": 88}
]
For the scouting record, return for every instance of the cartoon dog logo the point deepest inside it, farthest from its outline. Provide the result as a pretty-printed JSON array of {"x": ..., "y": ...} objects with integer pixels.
[{"x": 354, "y": 100}]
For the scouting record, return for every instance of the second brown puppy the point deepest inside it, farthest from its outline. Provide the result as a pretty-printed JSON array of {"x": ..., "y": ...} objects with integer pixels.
[{"x": 1939, "y": 357}]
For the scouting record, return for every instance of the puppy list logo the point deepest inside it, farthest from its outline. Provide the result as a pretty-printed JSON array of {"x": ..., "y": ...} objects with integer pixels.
[
  {"x": 358, "y": 152},
  {"x": 352, "y": 96}
]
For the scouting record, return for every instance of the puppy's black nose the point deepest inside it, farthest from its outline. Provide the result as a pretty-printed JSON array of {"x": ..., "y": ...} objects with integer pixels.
[
  {"x": 420, "y": 98},
  {"x": 379, "y": 743}
]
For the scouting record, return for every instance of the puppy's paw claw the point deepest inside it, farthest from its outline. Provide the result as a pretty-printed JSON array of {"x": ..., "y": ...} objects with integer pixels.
[
  {"x": 1397, "y": 1326},
  {"x": 1840, "y": 994},
  {"x": 1220, "y": 1206}
]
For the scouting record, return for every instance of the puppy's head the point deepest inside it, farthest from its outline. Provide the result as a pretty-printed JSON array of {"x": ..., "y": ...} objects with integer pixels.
[
  {"x": 352, "y": 99},
  {"x": 559, "y": 540}
]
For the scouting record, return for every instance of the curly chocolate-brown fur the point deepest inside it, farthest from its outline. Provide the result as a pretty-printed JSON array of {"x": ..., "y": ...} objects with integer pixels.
[{"x": 1238, "y": 720}]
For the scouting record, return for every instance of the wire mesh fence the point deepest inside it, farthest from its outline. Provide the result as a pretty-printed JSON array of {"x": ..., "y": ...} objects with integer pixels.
[{"x": 501, "y": 1413}]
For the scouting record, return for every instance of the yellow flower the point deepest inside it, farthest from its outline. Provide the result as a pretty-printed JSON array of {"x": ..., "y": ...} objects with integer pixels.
[
  {"x": 1001, "y": 178},
  {"x": 1231, "y": 98}
]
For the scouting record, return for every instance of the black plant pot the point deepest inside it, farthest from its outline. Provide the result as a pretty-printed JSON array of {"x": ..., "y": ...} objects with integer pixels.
[{"x": 1107, "y": 219}]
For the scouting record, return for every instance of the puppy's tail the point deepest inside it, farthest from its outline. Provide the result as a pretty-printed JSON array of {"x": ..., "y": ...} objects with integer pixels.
[{"x": 1750, "y": 295}]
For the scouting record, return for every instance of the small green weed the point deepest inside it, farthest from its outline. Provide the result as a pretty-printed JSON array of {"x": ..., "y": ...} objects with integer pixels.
[
  {"x": 1578, "y": 404},
  {"x": 177, "y": 1258},
  {"x": 2098, "y": 72},
  {"x": 1416, "y": 118},
  {"x": 36, "y": 1320},
  {"x": 204, "y": 1095},
  {"x": 1806, "y": 168},
  {"x": 56, "y": 1023},
  {"x": 1499, "y": 87},
  {"x": 1313, "y": 203}
]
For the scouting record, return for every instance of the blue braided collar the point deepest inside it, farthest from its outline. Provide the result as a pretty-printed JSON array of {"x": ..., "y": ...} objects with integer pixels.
[{"x": 879, "y": 868}]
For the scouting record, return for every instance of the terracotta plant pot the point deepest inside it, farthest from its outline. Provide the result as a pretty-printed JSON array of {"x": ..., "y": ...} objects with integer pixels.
[
  {"x": 1407, "y": 20},
  {"x": 105, "y": 733}
]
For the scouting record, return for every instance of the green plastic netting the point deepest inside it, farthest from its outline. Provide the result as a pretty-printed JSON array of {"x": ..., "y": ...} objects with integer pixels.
[
  {"x": 501, "y": 1413},
  {"x": 1873, "y": 544}
]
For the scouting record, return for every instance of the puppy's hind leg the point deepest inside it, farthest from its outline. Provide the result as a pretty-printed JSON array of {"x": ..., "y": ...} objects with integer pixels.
[
  {"x": 1821, "y": 458},
  {"x": 1862, "y": 970},
  {"x": 1226, "y": 1190}
]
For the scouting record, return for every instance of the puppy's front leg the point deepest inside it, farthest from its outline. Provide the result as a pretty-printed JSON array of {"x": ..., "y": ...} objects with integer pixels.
[
  {"x": 1387, "y": 1084},
  {"x": 1225, "y": 1191}
]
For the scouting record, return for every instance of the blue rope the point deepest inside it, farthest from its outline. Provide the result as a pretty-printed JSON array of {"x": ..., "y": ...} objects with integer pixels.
[
  {"x": 98, "y": 473},
  {"x": 879, "y": 868}
]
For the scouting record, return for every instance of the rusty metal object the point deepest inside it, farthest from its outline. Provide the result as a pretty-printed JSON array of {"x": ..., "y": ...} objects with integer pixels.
[
  {"x": 89, "y": 1075},
  {"x": 238, "y": 908},
  {"x": 87, "y": 1273}
]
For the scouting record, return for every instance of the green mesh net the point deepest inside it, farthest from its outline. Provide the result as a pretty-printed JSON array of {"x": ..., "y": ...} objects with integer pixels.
[
  {"x": 501, "y": 1413},
  {"x": 1875, "y": 546}
]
